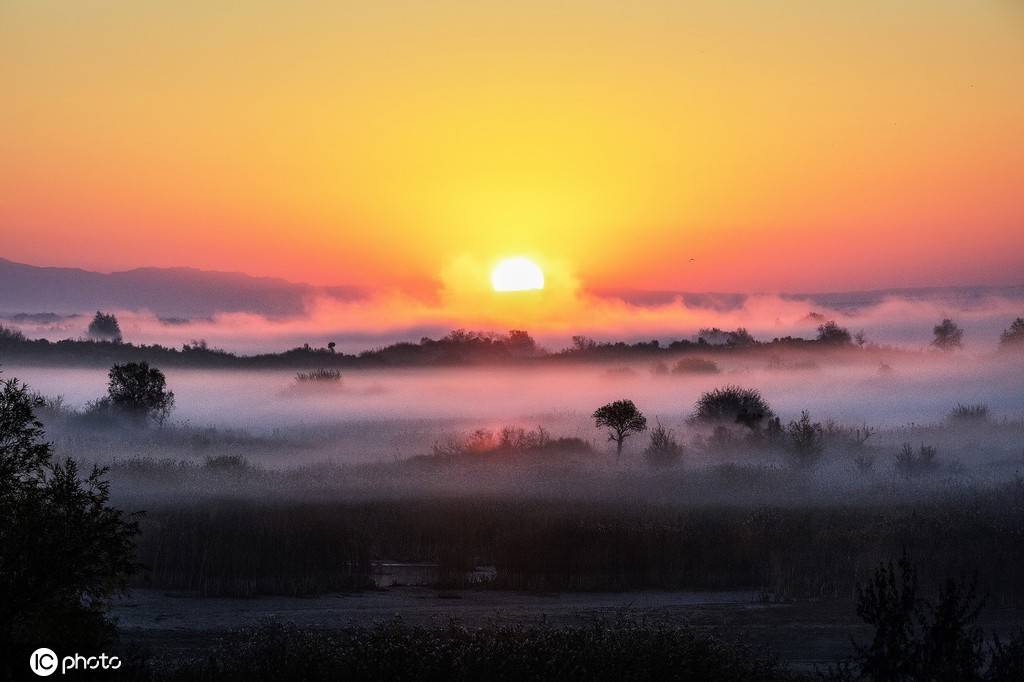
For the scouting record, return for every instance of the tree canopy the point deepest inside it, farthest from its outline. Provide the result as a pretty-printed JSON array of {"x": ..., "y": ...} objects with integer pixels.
[
  {"x": 622, "y": 419},
  {"x": 64, "y": 552}
]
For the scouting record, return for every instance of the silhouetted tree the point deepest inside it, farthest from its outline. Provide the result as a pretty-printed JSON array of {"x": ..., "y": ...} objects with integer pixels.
[
  {"x": 917, "y": 639},
  {"x": 623, "y": 420},
  {"x": 105, "y": 327},
  {"x": 948, "y": 335},
  {"x": 733, "y": 404},
  {"x": 832, "y": 334},
  {"x": 64, "y": 552},
  {"x": 663, "y": 449},
  {"x": 1013, "y": 335},
  {"x": 887, "y": 603},
  {"x": 331, "y": 345},
  {"x": 583, "y": 343},
  {"x": 520, "y": 343},
  {"x": 139, "y": 390},
  {"x": 714, "y": 336},
  {"x": 806, "y": 440}
]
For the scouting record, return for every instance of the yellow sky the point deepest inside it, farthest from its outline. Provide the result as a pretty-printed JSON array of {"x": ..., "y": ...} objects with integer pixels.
[{"x": 797, "y": 146}]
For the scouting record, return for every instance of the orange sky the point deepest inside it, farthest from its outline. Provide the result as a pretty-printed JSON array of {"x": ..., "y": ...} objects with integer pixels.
[{"x": 798, "y": 146}]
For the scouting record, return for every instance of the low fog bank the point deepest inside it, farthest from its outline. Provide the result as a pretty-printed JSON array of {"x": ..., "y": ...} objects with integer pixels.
[
  {"x": 902, "y": 318},
  {"x": 398, "y": 412},
  {"x": 265, "y": 483},
  {"x": 447, "y": 431}
]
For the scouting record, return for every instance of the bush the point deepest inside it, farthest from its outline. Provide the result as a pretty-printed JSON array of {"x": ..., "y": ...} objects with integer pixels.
[
  {"x": 663, "y": 450},
  {"x": 1014, "y": 335},
  {"x": 909, "y": 464},
  {"x": 732, "y": 404},
  {"x": 976, "y": 413},
  {"x": 63, "y": 551},
  {"x": 695, "y": 366},
  {"x": 326, "y": 376},
  {"x": 509, "y": 440}
]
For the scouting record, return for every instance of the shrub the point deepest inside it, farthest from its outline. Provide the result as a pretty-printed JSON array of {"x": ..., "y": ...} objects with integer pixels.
[
  {"x": 695, "y": 366},
  {"x": 977, "y": 412},
  {"x": 910, "y": 464},
  {"x": 1013, "y": 335},
  {"x": 716, "y": 337},
  {"x": 509, "y": 440},
  {"x": 847, "y": 437},
  {"x": 663, "y": 449},
  {"x": 317, "y": 376},
  {"x": 732, "y": 404}
]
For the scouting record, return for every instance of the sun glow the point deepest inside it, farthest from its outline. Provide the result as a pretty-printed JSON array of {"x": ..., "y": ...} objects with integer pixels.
[{"x": 517, "y": 274}]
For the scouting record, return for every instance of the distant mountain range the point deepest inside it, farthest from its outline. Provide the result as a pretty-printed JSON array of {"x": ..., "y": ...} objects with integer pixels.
[
  {"x": 175, "y": 292},
  {"x": 191, "y": 293}
]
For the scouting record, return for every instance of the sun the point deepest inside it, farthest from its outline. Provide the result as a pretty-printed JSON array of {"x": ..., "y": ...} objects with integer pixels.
[{"x": 517, "y": 274}]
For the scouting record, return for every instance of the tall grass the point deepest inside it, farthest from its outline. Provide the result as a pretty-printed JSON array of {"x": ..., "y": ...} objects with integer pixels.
[{"x": 243, "y": 548}]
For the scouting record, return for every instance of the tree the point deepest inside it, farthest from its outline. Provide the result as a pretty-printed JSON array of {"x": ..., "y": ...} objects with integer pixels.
[
  {"x": 663, "y": 450},
  {"x": 582, "y": 344},
  {"x": 623, "y": 420},
  {"x": 331, "y": 346},
  {"x": 105, "y": 327},
  {"x": 521, "y": 344},
  {"x": 887, "y": 602},
  {"x": 832, "y": 334},
  {"x": 1013, "y": 335},
  {"x": 732, "y": 404},
  {"x": 948, "y": 335},
  {"x": 918, "y": 639},
  {"x": 806, "y": 440},
  {"x": 64, "y": 552},
  {"x": 138, "y": 390}
]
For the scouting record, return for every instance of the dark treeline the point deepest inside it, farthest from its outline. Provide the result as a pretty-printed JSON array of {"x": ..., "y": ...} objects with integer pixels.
[{"x": 459, "y": 347}]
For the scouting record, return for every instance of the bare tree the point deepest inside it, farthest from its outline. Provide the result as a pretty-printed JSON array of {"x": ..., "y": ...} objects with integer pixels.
[{"x": 622, "y": 419}]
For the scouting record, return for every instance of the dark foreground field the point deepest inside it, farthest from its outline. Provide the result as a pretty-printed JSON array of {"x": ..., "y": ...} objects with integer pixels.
[{"x": 427, "y": 633}]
